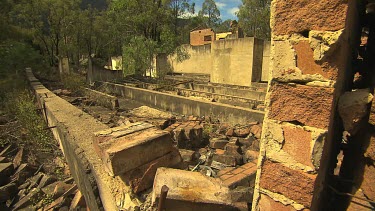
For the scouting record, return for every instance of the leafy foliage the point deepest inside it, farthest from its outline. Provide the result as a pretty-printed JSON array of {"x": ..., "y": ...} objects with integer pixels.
[
  {"x": 254, "y": 17},
  {"x": 211, "y": 13}
]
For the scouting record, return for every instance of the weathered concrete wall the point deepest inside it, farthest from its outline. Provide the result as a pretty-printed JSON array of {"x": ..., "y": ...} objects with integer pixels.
[
  {"x": 103, "y": 99},
  {"x": 200, "y": 60},
  {"x": 235, "y": 60},
  {"x": 266, "y": 61},
  {"x": 309, "y": 54},
  {"x": 245, "y": 92},
  {"x": 74, "y": 130},
  {"x": 183, "y": 105},
  {"x": 97, "y": 73}
]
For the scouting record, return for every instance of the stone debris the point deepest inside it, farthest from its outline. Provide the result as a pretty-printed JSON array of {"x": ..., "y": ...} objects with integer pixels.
[
  {"x": 187, "y": 135},
  {"x": 194, "y": 151},
  {"x": 353, "y": 108},
  {"x": 18, "y": 158},
  {"x": 142, "y": 177},
  {"x": 25, "y": 187}
]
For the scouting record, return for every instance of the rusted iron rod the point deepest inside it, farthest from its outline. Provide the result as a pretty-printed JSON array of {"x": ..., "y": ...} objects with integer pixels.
[{"x": 163, "y": 196}]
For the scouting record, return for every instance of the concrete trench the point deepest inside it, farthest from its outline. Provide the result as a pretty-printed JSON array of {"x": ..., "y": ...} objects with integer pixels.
[{"x": 184, "y": 105}]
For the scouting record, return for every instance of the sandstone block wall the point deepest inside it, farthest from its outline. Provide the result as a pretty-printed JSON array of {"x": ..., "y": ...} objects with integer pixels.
[{"x": 309, "y": 57}]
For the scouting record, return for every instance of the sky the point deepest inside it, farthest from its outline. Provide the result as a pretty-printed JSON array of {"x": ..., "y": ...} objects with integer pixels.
[{"x": 227, "y": 8}]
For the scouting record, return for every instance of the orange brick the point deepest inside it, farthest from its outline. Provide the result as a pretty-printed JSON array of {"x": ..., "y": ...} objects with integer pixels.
[
  {"x": 311, "y": 106},
  {"x": 237, "y": 180},
  {"x": 294, "y": 16},
  {"x": 226, "y": 176},
  {"x": 238, "y": 170},
  {"x": 293, "y": 184}
]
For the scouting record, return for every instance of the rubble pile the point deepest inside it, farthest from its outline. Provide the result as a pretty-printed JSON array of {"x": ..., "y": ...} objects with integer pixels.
[
  {"x": 189, "y": 153},
  {"x": 25, "y": 187},
  {"x": 195, "y": 157}
]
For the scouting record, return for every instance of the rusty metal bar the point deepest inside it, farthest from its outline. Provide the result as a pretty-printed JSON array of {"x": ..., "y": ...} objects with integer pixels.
[{"x": 163, "y": 196}]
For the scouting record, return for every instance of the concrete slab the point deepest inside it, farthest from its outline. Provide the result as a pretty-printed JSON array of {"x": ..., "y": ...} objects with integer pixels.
[
  {"x": 120, "y": 148},
  {"x": 191, "y": 190}
]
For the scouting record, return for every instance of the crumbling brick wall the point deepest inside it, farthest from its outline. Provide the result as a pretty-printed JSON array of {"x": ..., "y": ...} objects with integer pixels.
[{"x": 311, "y": 54}]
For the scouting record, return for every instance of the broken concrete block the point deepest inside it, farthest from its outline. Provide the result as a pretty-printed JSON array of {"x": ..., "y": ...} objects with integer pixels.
[
  {"x": 48, "y": 190},
  {"x": 187, "y": 135},
  {"x": 232, "y": 149},
  {"x": 230, "y": 160},
  {"x": 120, "y": 148},
  {"x": 256, "y": 130},
  {"x": 251, "y": 156},
  {"x": 218, "y": 143},
  {"x": 5, "y": 150},
  {"x": 191, "y": 190},
  {"x": 246, "y": 142},
  {"x": 189, "y": 156},
  {"x": 353, "y": 108},
  {"x": 6, "y": 169},
  {"x": 242, "y": 194},
  {"x": 34, "y": 181},
  {"x": 55, "y": 204},
  {"x": 142, "y": 178},
  {"x": 61, "y": 188},
  {"x": 33, "y": 196},
  {"x": 23, "y": 172},
  {"x": 230, "y": 132},
  {"x": 241, "y": 132},
  {"x": 240, "y": 176},
  {"x": 7, "y": 192},
  {"x": 18, "y": 158},
  {"x": 77, "y": 201},
  {"x": 46, "y": 180}
]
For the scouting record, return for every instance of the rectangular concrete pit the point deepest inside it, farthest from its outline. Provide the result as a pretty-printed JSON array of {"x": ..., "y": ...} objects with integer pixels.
[
  {"x": 128, "y": 147},
  {"x": 183, "y": 105},
  {"x": 191, "y": 191}
]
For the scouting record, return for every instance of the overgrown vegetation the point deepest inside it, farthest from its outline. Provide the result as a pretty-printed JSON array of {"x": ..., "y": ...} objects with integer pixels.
[{"x": 254, "y": 18}]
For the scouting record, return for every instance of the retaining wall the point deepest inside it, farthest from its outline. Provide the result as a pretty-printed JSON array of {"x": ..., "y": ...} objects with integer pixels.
[{"x": 74, "y": 130}]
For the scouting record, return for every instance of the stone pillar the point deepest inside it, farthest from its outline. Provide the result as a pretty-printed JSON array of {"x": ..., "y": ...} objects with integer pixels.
[{"x": 308, "y": 64}]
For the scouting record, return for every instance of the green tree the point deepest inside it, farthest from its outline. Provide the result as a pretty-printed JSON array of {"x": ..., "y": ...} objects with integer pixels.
[
  {"x": 254, "y": 17},
  {"x": 223, "y": 26},
  {"x": 178, "y": 8},
  {"x": 210, "y": 12}
]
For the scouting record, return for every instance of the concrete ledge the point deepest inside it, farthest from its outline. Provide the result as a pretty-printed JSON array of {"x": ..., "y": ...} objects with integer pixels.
[
  {"x": 221, "y": 98},
  {"x": 74, "y": 130},
  {"x": 103, "y": 99},
  {"x": 244, "y": 92},
  {"x": 183, "y": 105}
]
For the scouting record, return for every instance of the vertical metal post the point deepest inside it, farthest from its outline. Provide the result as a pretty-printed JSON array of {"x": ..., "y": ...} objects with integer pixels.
[{"x": 163, "y": 196}]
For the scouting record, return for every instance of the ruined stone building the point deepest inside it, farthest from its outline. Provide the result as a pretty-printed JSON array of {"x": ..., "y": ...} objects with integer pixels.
[{"x": 294, "y": 121}]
